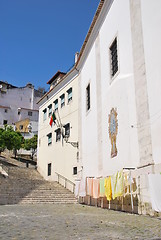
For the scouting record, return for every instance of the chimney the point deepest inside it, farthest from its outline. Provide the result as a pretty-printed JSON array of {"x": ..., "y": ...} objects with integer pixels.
[{"x": 76, "y": 56}]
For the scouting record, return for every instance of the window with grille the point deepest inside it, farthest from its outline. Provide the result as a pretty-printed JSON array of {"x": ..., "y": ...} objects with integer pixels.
[
  {"x": 56, "y": 104},
  {"x": 69, "y": 94},
  {"x": 62, "y": 97},
  {"x": 49, "y": 169},
  {"x": 44, "y": 114},
  {"x": 74, "y": 170},
  {"x": 29, "y": 113},
  {"x": 21, "y": 127},
  {"x": 49, "y": 138},
  {"x": 67, "y": 129},
  {"x": 88, "y": 104},
  {"x": 50, "y": 110},
  {"x": 5, "y": 122},
  {"x": 114, "y": 58},
  {"x": 58, "y": 134}
]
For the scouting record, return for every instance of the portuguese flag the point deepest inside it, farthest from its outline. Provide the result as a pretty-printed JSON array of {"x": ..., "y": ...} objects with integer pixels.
[{"x": 52, "y": 119}]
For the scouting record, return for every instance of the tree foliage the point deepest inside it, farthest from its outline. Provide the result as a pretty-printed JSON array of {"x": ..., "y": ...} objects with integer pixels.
[
  {"x": 2, "y": 143},
  {"x": 31, "y": 144},
  {"x": 10, "y": 139}
]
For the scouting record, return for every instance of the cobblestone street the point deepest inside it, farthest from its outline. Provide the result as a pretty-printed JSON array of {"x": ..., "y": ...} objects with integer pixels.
[{"x": 74, "y": 222}]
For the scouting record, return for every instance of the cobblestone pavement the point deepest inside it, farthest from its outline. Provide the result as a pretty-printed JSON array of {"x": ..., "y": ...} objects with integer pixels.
[{"x": 67, "y": 222}]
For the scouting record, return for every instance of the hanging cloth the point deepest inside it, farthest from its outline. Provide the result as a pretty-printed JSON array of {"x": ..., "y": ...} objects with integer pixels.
[
  {"x": 155, "y": 191},
  {"x": 96, "y": 188},
  {"x": 108, "y": 188},
  {"x": 102, "y": 187},
  {"x": 82, "y": 188},
  {"x": 90, "y": 186},
  {"x": 113, "y": 185},
  {"x": 119, "y": 184}
]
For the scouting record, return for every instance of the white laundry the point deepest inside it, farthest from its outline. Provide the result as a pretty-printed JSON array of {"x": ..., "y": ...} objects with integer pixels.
[{"x": 155, "y": 191}]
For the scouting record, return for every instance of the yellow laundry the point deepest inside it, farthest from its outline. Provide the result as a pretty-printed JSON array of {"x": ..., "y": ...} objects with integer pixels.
[
  {"x": 108, "y": 189},
  {"x": 113, "y": 185},
  {"x": 117, "y": 184}
]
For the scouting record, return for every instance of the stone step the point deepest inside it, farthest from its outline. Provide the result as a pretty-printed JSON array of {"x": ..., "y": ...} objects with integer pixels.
[{"x": 26, "y": 185}]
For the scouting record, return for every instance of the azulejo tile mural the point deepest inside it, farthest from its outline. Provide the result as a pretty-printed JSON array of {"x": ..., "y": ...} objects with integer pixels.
[{"x": 113, "y": 130}]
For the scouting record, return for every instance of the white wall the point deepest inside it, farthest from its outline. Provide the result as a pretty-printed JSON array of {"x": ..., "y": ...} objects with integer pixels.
[
  {"x": 152, "y": 50},
  {"x": 62, "y": 156},
  {"x": 120, "y": 94},
  {"x": 18, "y": 98}
]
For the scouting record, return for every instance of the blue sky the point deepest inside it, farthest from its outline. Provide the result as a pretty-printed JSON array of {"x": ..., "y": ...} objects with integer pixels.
[{"x": 39, "y": 37}]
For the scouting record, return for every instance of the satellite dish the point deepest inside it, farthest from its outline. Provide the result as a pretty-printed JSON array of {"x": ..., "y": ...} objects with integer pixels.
[{"x": 1, "y": 86}]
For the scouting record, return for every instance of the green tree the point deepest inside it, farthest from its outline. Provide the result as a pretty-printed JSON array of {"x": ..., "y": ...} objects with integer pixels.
[
  {"x": 12, "y": 140},
  {"x": 17, "y": 142},
  {"x": 31, "y": 144},
  {"x": 2, "y": 143}
]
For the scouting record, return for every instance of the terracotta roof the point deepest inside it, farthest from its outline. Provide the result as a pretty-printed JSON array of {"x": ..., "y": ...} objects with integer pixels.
[
  {"x": 4, "y": 107},
  {"x": 61, "y": 74}
]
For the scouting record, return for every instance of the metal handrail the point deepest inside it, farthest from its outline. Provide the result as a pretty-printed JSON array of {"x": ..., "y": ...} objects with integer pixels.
[{"x": 66, "y": 181}]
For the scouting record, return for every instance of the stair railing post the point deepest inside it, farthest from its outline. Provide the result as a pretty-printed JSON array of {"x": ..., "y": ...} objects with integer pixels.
[{"x": 65, "y": 182}]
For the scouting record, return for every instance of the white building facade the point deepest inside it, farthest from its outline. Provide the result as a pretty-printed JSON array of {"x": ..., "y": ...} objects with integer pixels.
[
  {"x": 120, "y": 91},
  {"x": 18, "y": 103},
  {"x": 115, "y": 112},
  {"x": 57, "y": 159}
]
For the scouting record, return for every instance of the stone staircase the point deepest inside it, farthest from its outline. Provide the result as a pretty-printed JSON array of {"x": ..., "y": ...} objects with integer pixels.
[{"x": 25, "y": 185}]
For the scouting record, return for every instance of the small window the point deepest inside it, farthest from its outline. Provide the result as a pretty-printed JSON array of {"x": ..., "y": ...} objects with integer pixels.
[
  {"x": 49, "y": 138},
  {"x": 69, "y": 94},
  {"x": 5, "y": 122},
  {"x": 58, "y": 134},
  {"x": 21, "y": 127},
  {"x": 29, "y": 113},
  {"x": 88, "y": 105},
  {"x": 19, "y": 112},
  {"x": 74, "y": 170},
  {"x": 49, "y": 169},
  {"x": 114, "y": 58},
  {"x": 50, "y": 110},
  {"x": 44, "y": 114},
  {"x": 56, "y": 104},
  {"x": 62, "y": 97},
  {"x": 6, "y": 110},
  {"x": 67, "y": 129}
]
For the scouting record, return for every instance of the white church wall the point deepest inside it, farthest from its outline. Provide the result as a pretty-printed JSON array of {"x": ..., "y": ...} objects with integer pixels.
[{"x": 152, "y": 49}]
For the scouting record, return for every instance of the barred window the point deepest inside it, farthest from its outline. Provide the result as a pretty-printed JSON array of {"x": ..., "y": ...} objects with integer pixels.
[
  {"x": 49, "y": 169},
  {"x": 74, "y": 170},
  {"x": 29, "y": 113},
  {"x": 58, "y": 134},
  {"x": 44, "y": 114},
  {"x": 56, "y": 104},
  {"x": 50, "y": 109},
  {"x": 62, "y": 97},
  {"x": 49, "y": 138},
  {"x": 69, "y": 94},
  {"x": 114, "y": 58},
  {"x": 67, "y": 129},
  {"x": 88, "y": 104}
]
